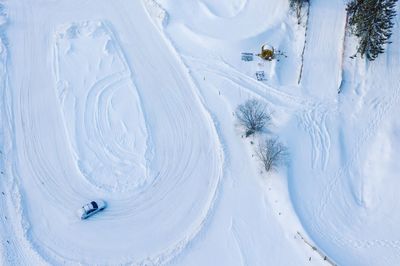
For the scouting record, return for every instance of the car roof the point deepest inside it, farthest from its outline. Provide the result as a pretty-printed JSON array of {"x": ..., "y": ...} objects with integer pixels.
[{"x": 96, "y": 203}]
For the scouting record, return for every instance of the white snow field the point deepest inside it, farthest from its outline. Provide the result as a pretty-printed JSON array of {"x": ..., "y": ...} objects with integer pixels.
[{"x": 133, "y": 101}]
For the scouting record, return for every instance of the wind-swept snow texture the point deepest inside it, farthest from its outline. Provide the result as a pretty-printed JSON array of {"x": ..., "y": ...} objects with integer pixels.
[{"x": 133, "y": 102}]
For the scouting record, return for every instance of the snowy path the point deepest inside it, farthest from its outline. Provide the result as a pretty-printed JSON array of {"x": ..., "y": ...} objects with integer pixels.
[{"x": 323, "y": 54}]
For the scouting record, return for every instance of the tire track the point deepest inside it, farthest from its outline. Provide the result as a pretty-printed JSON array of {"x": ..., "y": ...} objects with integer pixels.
[
  {"x": 273, "y": 95},
  {"x": 236, "y": 237},
  {"x": 92, "y": 129},
  {"x": 17, "y": 250},
  {"x": 314, "y": 122},
  {"x": 176, "y": 166}
]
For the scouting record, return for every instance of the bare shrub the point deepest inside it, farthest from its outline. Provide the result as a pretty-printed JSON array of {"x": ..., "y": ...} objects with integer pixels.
[
  {"x": 296, "y": 6},
  {"x": 271, "y": 153},
  {"x": 253, "y": 116}
]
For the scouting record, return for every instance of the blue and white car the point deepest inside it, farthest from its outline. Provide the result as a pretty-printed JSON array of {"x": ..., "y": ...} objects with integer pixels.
[{"x": 91, "y": 208}]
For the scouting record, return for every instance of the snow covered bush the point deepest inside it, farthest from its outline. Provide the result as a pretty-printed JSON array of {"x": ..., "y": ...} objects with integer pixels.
[
  {"x": 271, "y": 153},
  {"x": 371, "y": 22},
  {"x": 253, "y": 115}
]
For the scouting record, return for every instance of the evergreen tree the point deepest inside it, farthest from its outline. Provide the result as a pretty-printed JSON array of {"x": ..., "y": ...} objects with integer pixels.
[{"x": 371, "y": 22}]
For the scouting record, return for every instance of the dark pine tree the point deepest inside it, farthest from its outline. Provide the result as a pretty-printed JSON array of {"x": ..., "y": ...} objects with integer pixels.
[{"x": 371, "y": 21}]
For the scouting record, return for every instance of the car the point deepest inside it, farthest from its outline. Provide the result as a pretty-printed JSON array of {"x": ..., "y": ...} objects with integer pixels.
[{"x": 91, "y": 208}]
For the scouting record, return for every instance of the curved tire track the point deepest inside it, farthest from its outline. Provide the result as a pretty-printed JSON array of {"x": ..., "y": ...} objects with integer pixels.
[{"x": 185, "y": 180}]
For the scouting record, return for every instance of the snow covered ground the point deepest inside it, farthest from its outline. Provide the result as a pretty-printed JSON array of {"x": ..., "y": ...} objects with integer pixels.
[{"x": 133, "y": 102}]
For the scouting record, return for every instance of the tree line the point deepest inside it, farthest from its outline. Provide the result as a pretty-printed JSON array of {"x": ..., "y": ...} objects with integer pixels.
[{"x": 371, "y": 21}]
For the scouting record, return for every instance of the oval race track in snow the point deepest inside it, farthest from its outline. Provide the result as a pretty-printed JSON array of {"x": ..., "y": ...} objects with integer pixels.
[{"x": 108, "y": 112}]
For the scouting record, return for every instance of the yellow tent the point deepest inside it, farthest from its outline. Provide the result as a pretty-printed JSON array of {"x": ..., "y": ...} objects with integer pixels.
[{"x": 267, "y": 52}]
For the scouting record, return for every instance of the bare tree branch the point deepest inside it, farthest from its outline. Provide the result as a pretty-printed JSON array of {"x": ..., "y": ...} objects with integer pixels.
[
  {"x": 253, "y": 115},
  {"x": 271, "y": 153}
]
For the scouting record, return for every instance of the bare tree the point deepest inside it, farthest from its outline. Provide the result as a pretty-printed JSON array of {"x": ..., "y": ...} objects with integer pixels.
[
  {"x": 297, "y": 6},
  {"x": 253, "y": 115},
  {"x": 271, "y": 153}
]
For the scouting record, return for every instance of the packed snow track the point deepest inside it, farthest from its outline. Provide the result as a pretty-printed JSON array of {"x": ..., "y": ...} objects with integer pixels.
[{"x": 102, "y": 116}]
